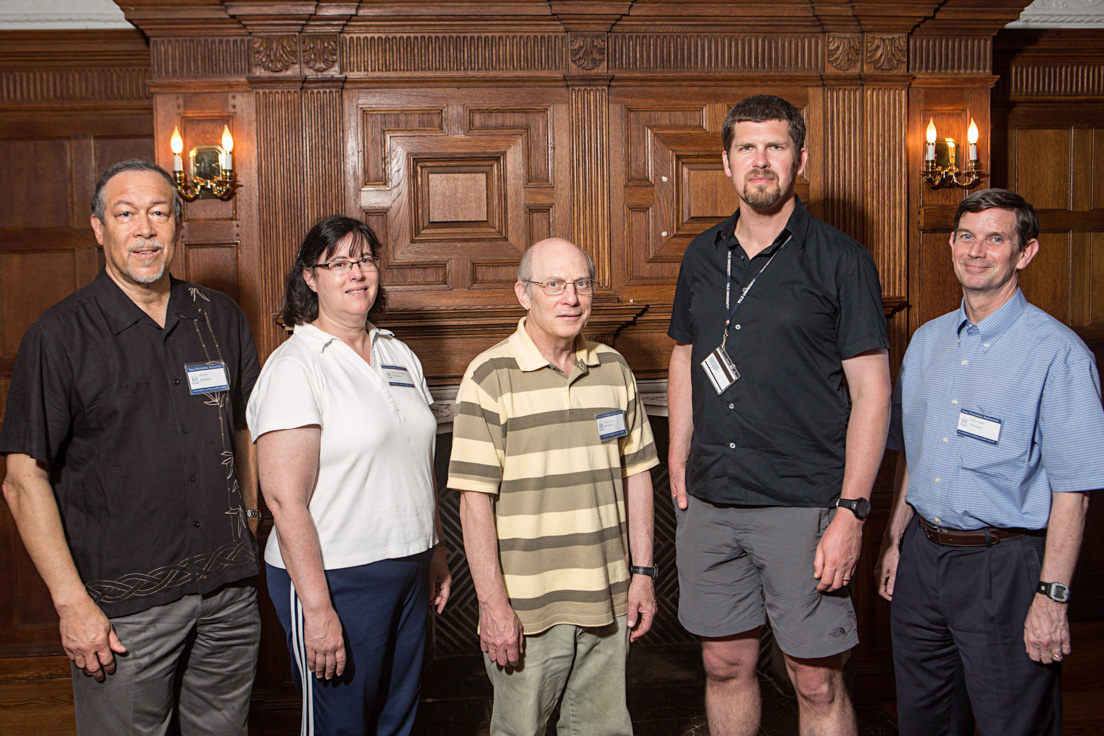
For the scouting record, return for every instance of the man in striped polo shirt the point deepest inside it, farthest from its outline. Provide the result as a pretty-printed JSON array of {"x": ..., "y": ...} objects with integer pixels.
[{"x": 552, "y": 451}]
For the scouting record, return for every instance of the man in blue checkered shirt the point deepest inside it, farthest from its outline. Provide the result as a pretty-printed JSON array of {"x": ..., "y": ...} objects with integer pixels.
[{"x": 997, "y": 407}]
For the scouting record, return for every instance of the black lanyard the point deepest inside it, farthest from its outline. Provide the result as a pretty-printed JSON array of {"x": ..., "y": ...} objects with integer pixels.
[{"x": 731, "y": 311}]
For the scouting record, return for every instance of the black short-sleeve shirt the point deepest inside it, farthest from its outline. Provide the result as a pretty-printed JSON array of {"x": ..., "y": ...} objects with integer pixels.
[
  {"x": 142, "y": 469},
  {"x": 776, "y": 436}
]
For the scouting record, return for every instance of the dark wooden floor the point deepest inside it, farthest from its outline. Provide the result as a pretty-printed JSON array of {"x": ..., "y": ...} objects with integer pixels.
[{"x": 665, "y": 696}]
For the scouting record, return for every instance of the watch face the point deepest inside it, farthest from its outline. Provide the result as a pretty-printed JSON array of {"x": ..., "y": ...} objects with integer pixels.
[{"x": 1059, "y": 592}]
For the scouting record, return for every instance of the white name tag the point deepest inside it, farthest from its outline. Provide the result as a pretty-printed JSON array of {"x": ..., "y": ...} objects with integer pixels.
[
  {"x": 979, "y": 426},
  {"x": 610, "y": 425},
  {"x": 206, "y": 378},
  {"x": 397, "y": 375}
]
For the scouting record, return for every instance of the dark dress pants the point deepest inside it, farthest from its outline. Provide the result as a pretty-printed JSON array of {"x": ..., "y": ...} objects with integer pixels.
[{"x": 958, "y": 649}]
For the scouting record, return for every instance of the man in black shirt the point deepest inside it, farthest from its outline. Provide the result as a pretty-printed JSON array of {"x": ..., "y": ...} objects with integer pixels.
[
  {"x": 773, "y": 309},
  {"x": 131, "y": 478}
]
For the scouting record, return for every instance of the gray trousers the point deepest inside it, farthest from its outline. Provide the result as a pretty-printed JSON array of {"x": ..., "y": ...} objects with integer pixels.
[{"x": 208, "y": 643}]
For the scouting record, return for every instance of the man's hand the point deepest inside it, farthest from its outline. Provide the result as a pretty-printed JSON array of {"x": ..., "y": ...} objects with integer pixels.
[
  {"x": 1046, "y": 630},
  {"x": 677, "y": 478},
  {"x": 885, "y": 572},
  {"x": 325, "y": 643},
  {"x": 500, "y": 634},
  {"x": 838, "y": 552},
  {"x": 642, "y": 605},
  {"x": 440, "y": 579},
  {"x": 88, "y": 638}
]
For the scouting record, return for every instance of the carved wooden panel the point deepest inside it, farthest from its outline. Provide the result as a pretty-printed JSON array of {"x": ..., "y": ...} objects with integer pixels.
[
  {"x": 667, "y": 180},
  {"x": 456, "y": 190}
]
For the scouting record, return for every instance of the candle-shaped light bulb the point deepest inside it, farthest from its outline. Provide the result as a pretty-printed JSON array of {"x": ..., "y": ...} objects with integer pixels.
[
  {"x": 228, "y": 146},
  {"x": 177, "y": 145},
  {"x": 972, "y": 136},
  {"x": 929, "y": 153}
]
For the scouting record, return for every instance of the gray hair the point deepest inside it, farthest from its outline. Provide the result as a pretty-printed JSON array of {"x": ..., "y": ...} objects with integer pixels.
[{"x": 133, "y": 164}]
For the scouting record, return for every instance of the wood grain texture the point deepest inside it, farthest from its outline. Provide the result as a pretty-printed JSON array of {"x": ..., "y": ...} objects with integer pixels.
[
  {"x": 590, "y": 186},
  {"x": 714, "y": 53},
  {"x": 446, "y": 52},
  {"x": 950, "y": 54},
  {"x": 200, "y": 58}
]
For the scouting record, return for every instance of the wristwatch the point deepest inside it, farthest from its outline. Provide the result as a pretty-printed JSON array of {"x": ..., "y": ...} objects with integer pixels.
[
  {"x": 252, "y": 513},
  {"x": 652, "y": 572},
  {"x": 1059, "y": 592},
  {"x": 860, "y": 507}
]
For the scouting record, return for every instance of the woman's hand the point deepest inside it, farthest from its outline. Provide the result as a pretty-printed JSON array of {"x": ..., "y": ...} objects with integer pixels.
[
  {"x": 440, "y": 579},
  {"x": 325, "y": 643}
]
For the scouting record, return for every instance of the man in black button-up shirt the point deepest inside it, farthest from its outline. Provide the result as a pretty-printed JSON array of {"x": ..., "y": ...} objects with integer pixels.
[
  {"x": 773, "y": 309},
  {"x": 130, "y": 475}
]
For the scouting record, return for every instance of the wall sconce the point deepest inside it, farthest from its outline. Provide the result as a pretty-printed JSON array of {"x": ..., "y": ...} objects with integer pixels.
[
  {"x": 941, "y": 160},
  {"x": 212, "y": 168}
]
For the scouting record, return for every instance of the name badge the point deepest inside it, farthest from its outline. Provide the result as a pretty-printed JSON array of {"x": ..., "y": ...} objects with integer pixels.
[
  {"x": 206, "y": 378},
  {"x": 979, "y": 426},
  {"x": 610, "y": 425},
  {"x": 720, "y": 369},
  {"x": 397, "y": 375}
]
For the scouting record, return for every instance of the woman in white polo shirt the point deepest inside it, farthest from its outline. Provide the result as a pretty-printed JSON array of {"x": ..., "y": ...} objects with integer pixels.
[{"x": 344, "y": 434}]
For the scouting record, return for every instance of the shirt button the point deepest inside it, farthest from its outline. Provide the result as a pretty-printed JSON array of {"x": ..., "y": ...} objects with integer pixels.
[
  {"x": 965, "y": 362},
  {"x": 196, "y": 524},
  {"x": 954, "y": 401},
  {"x": 192, "y": 477},
  {"x": 731, "y": 406},
  {"x": 176, "y": 381},
  {"x": 184, "y": 430},
  {"x": 945, "y": 439},
  {"x": 937, "y": 520},
  {"x": 985, "y": 344},
  {"x": 936, "y": 480},
  {"x": 732, "y": 445},
  {"x": 735, "y": 327}
]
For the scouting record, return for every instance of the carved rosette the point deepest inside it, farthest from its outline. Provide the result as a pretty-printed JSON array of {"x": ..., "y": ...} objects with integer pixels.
[
  {"x": 886, "y": 53},
  {"x": 275, "y": 53},
  {"x": 844, "y": 52},
  {"x": 588, "y": 50},
  {"x": 320, "y": 52}
]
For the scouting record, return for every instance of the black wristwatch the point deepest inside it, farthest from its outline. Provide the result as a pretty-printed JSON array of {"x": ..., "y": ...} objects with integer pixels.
[
  {"x": 1059, "y": 592},
  {"x": 860, "y": 507},
  {"x": 652, "y": 572}
]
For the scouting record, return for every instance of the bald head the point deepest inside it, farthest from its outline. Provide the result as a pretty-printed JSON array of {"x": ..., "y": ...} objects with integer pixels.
[{"x": 548, "y": 246}]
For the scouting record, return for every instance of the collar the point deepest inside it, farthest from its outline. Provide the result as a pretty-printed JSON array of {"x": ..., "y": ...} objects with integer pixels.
[
  {"x": 997, "y": 323},
  {"x": 185, "y": 301},
  {"x": 529, "y": 357},
  {"x": 318, "y": 340},
  {"x": 797, "y": 227}
]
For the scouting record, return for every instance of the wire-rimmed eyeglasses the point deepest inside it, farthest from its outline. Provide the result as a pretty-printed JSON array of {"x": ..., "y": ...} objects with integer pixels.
[
  {"x": 555, "y": 287},
  {"x": 342, "y": 266}
]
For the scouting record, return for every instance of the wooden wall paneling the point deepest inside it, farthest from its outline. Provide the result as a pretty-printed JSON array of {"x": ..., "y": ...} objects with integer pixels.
[
  {"x": 590, "y": 205},
  {"x": 281, "y": 181},
  {"x": 323, "y": 138},
  {"x": 842, "y": 160}
]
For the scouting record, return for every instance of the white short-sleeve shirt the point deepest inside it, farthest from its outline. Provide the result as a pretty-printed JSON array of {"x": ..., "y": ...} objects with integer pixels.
[{"x": 374, "y": 495}]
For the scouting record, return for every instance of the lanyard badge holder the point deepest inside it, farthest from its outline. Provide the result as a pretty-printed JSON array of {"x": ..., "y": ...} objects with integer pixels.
[{"x": 718, "y": 366}]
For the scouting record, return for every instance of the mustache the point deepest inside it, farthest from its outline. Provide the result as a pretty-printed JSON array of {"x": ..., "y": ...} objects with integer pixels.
[
  {"x": 762, "y": 172},
  {"x": 146, "y": 245}
]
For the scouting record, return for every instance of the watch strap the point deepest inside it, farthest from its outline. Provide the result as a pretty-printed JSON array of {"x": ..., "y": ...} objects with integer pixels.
[
  {"x": 652, "y": 572},
  {"x": 1058, "y": 592}
]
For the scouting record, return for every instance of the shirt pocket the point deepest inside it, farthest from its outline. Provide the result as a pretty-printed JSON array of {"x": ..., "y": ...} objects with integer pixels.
[{"x": 1004, "y": 463}]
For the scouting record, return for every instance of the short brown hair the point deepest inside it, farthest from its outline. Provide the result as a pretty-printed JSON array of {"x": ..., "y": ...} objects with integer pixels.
[{"x": 759, "y": 109}]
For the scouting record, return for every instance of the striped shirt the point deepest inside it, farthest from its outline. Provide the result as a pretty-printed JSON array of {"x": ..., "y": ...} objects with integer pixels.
[{"x": 529, "y": 434}]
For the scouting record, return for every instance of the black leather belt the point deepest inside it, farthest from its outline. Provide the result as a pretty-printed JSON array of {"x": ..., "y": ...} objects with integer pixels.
[{"x": 975, "y": 537}]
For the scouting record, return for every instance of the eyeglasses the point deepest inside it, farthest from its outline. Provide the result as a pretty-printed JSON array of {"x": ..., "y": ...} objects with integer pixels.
[
  {"x": 555, "y": 287},
  {"x": 340, "y": 267}
]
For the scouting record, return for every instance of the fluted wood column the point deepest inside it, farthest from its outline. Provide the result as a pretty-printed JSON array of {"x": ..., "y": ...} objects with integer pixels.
[
  {"x": 590, "y": 208},
  {"x": 280, "y": 183},
  {"x": 843, "y": 159},
  {"x": 323, "y": 149}
]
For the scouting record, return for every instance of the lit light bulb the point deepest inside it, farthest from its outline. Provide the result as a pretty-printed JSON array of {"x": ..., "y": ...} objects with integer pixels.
[
  {"x": 177, "y": 145},
  {"x": 972, "y": 136},
  {"x": 929, "y": 153},
  {"x": 228, "y": 146}
]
